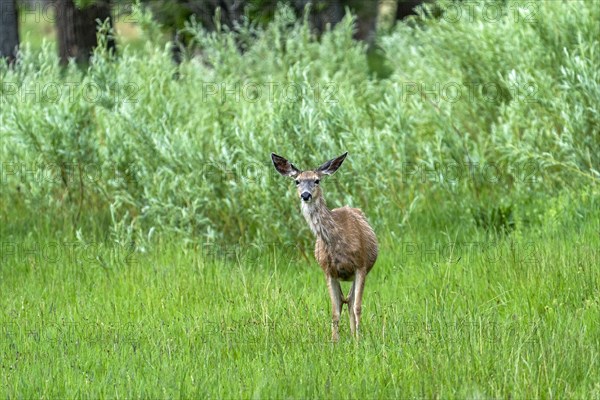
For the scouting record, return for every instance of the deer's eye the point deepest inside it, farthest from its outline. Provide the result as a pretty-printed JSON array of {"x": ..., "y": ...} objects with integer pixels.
[
  {"x": 317, "y": 182},
  {"x": 297, "y": 183}
]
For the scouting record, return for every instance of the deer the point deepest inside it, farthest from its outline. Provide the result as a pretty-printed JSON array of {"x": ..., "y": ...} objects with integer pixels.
[{"x": 346, "y": 247}]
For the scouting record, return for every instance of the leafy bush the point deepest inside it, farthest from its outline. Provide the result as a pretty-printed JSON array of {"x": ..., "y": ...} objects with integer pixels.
[{"x": 481, "y": 122}]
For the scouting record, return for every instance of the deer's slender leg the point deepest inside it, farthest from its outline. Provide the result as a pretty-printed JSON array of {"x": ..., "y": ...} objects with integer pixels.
[
  {"x": 335, "y": 293},
  {"x": 351, "y": 309},
  {"x": 359, "y": 286}
]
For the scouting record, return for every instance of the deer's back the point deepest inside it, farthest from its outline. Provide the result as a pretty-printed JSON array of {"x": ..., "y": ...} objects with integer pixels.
[{"x": 354, "y": 246}]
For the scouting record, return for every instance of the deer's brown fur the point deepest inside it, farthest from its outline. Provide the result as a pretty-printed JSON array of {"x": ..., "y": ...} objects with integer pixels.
[{"x": 346, "y": 246}]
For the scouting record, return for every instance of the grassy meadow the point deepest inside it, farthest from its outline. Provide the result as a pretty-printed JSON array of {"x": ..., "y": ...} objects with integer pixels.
[
  {"x": 150, "y": 250},
  {"x": 519, "y": 319}
]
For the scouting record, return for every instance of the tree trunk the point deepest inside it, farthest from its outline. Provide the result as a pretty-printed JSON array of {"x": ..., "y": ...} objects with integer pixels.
[
  {"x": 9, "y": 30},
  {"x": 331, "y": 12},
  {"x": 77, "y": 28},
  {"x": 366, "y": 19},
  {"x": 322, "y": 13},
  {"x": 407, "y": 7}
]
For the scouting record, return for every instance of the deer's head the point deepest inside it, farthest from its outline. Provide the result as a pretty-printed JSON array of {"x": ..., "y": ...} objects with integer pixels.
[{"x": 307, "y": 182}]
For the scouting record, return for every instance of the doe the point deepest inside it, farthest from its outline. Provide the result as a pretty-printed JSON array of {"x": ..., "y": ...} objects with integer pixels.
[{"x": 346, "y": 246}]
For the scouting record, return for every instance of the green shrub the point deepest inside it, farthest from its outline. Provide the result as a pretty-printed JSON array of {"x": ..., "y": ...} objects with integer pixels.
[{"x": 480, "y": 122}]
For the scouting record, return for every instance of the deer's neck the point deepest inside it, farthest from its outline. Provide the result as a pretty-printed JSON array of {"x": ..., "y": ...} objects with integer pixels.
[{"x": 319, "y": 219}]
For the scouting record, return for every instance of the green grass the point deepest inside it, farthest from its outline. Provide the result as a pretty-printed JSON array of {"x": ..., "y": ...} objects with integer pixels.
[{"x": 499, "y": 317}]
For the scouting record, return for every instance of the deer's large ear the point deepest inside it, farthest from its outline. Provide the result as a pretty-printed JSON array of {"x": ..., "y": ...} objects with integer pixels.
[
  {"x": 332, "y": 165},
  {"x": 284, "y": 167}
]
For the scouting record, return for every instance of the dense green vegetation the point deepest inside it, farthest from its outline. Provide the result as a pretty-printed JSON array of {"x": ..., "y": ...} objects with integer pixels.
[
  {"x": 477, "y": 118},
  {"x": 150, "y": 249},
  {"x": 519, "y": 319}
]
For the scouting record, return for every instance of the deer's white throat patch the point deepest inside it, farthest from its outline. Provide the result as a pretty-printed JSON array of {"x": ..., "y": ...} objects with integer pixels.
[{"x": 319, "y": 219}]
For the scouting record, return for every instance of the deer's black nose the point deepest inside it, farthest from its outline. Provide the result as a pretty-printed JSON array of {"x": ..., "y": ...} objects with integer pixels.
[{"x": 306, "y": 196}]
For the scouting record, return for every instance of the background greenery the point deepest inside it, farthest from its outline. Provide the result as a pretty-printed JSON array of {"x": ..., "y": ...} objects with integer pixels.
[
  {"x": 139, "y": 206},
  {"x": 514, "y": 98}
]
